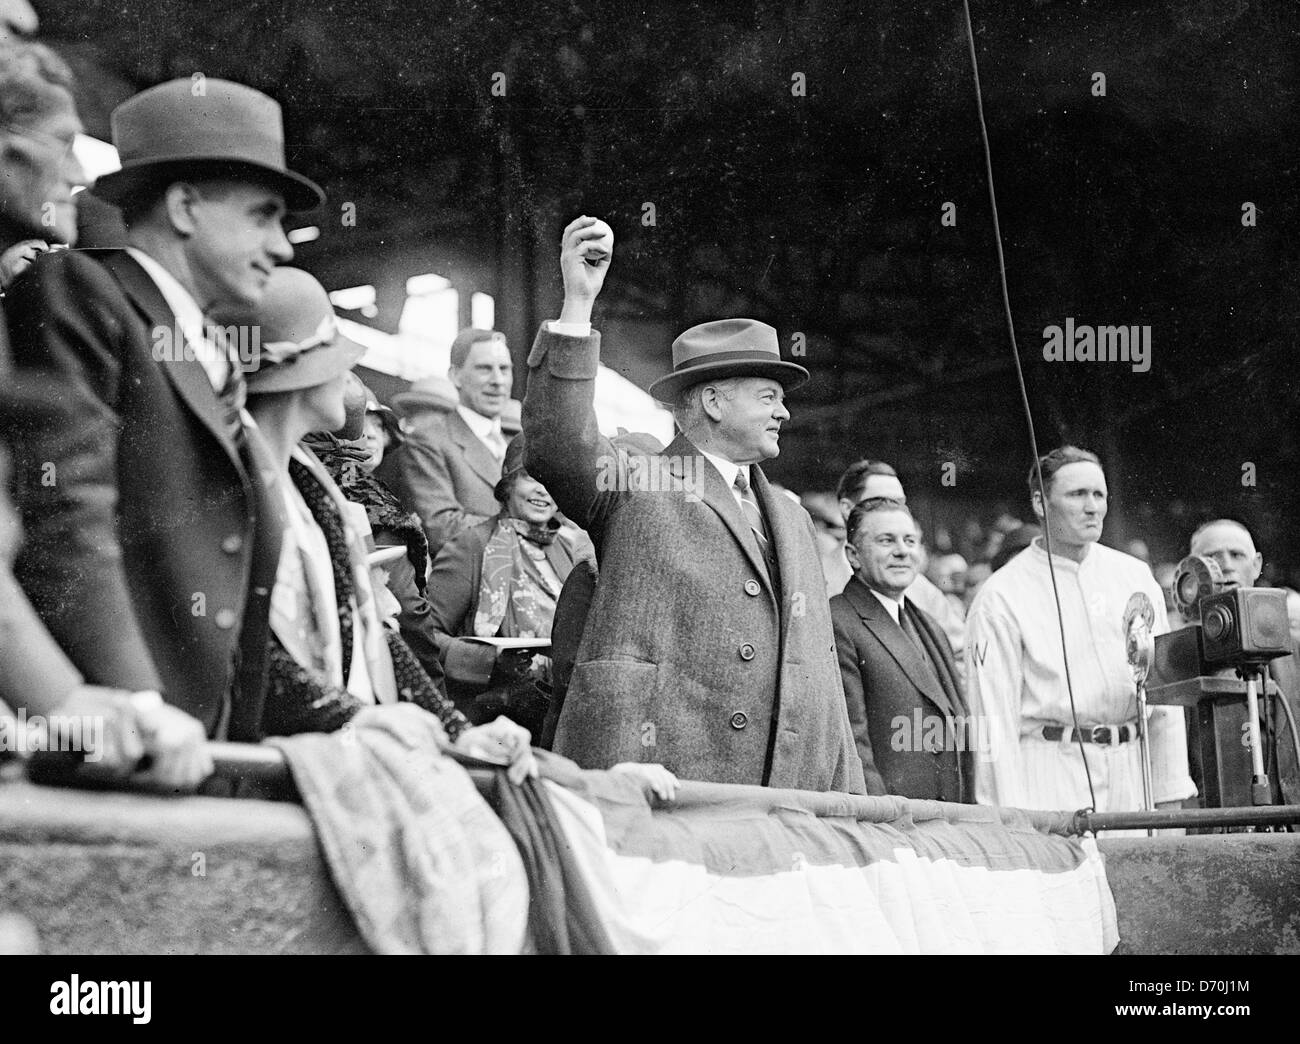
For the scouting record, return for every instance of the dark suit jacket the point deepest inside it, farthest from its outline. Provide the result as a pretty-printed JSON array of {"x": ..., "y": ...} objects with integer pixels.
[
  {"x": 446, "y": 474},
  {"x": 691, "y": 656},
  {"x": 453, "y": 601},
  {"x": 884, "y": 680},
  {"x": 144, "y": 554}
]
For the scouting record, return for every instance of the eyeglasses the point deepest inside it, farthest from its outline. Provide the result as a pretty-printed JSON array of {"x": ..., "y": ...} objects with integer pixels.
[{"x": 64, "y": 145}]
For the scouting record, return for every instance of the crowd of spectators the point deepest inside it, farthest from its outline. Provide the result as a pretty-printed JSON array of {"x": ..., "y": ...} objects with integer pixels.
[{"x": 233, "y": 544}]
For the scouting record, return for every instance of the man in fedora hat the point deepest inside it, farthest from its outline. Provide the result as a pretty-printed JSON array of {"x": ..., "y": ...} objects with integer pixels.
[
  {"x": 147, "y": 553},
  {"x": 38, "y": 175},
  {"x": 452, "y": 458},
  {"x": 708, "y": 646}
]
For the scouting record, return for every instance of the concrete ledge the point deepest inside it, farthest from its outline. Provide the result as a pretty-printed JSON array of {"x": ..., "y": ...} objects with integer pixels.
[
  {"x": 127, "y": 874},
  {"x": 1206, "y": 894},
  {"x": 112, "y": 873}
]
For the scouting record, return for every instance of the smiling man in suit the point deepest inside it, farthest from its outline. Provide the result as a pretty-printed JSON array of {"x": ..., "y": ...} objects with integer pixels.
[
  {"x": 708, "y": 645},
  {"x": 900, "y": 680},
  {"x": 451, "y": 461},
  {"x": 151, "y": 555}
]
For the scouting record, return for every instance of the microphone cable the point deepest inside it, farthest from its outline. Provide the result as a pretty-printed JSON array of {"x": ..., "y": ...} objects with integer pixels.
[{"x": 1024, "y": 399}]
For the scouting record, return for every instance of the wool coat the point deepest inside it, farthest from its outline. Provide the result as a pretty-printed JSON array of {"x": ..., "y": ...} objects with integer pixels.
[
  {"x": 693, "y": 655},
  {"x": 152, "y": 544},
  {"x": 909, "y": 721}
]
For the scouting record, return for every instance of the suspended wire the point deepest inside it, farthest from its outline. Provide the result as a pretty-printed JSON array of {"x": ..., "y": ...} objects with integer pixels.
[{"x": 1024, "y": 400}]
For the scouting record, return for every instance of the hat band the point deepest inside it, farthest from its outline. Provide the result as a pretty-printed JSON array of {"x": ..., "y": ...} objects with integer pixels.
[{"x": 746, "y": 355}]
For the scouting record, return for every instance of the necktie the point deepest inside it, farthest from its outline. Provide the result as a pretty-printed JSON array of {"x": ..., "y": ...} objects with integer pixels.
[
  {"x": 909, "y": 629},
  {"x": 233, "y": 392},
  {"x": 749, "y": 506},
  {"x": 497, "y": 443}
]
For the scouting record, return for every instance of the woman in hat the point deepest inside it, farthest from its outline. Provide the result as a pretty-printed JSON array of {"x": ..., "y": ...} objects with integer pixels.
[
  {"x": 500, "y": 579},
  {"x": 330, "y": 652}
]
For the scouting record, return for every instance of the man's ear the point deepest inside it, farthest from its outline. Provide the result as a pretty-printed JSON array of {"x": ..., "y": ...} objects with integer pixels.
[
  {"x": 846, "y": 506},
  {"x": 178, "y": 202},
  {"x": 1036, "y": 501},
  {"x": 851, "y": 553},
  {"x": 711, "y": 402}
]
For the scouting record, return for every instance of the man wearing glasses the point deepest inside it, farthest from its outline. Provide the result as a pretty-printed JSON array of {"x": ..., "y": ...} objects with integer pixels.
[{"x": 154, "y": 543}]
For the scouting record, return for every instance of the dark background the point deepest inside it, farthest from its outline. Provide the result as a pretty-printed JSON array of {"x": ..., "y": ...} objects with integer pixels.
[{"x": 821, "y": 214}]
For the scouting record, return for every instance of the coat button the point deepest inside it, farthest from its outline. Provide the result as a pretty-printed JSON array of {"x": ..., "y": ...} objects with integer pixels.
[
  {"x": 739, "y": 720},
  {"x": 225, "y": 619},
  {"x": 232, "y": 544},
  {"x": 747, "y": 651},
  {"x": 752, "y": 588}
]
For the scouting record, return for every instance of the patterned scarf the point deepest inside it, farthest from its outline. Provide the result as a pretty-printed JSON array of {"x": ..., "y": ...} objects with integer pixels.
[
  {"x": 514, "y": 588},
  {"x": 297, "y": 701},
  {"x": 386, "y": 512}
]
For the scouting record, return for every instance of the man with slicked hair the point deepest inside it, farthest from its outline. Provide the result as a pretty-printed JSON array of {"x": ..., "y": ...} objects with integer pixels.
[
  {"x": 1016, "y": 677},
  {"x": 451, "y": 461}
]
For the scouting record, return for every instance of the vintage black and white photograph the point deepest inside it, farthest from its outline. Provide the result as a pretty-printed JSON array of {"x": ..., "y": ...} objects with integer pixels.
[{"x": 673, "y": 477}]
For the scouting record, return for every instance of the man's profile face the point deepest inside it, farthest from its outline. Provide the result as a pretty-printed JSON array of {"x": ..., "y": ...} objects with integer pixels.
[
  {"x": 235, "y": 242},
  {"x": 883, "y": 552},
  {"x": 484, "y": 381},
  {"x": 1076, "y": 503},
  {"x": 38, "y": 172},
  {"x": 751, "y": 419},
  {"x": 1233, "y": 550}
]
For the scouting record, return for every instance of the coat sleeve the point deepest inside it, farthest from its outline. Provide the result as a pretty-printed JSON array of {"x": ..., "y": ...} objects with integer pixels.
[
  {"x": 415, "y": 620},
  {"x": 855, "y": 698},
  {"x": 34, "y": 672},
  {"x": 426, "y": 478},
  {"x": 67, "y": 334},
  {"x": 563, "y": 447},
  {"x": 994, "y": 685},
  {"x": 452, "y": 596}
]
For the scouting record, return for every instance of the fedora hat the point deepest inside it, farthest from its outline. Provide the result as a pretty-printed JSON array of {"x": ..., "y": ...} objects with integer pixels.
[
  {"x": 175, "y": 130},
  {"x": 299, "y": 343},
  {"x": 726, "y": 348},
  {"x": 428, "y": 393}
]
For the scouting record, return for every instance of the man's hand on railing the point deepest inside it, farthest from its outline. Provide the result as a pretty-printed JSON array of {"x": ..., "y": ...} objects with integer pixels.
[
  {"x": 137, "y": 735},
  {"x": 656, "y": 777}
]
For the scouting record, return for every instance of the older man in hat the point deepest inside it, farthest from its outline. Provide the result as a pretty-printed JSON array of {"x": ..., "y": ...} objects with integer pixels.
[
  {"x": 148, "y": 549},
  {"x": 708, "y": 647},
  {"x": 452, "y": 458}
]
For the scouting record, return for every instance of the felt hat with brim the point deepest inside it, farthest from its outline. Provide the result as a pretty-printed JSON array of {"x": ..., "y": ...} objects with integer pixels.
[
  {"x": 387, "y": 418},
  {"x": 187, "y": 128},
  {"x": 726, "y": 348},
  {"x": 298, "y": 344},
  {"x": 428, "y": 393}
]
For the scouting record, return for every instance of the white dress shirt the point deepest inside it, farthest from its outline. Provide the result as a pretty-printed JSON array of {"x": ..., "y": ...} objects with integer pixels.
[
  {"x": 893, "y": 606},
  {"x": 486, "y": 429},
  {"x": 189, "y": 320}
]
